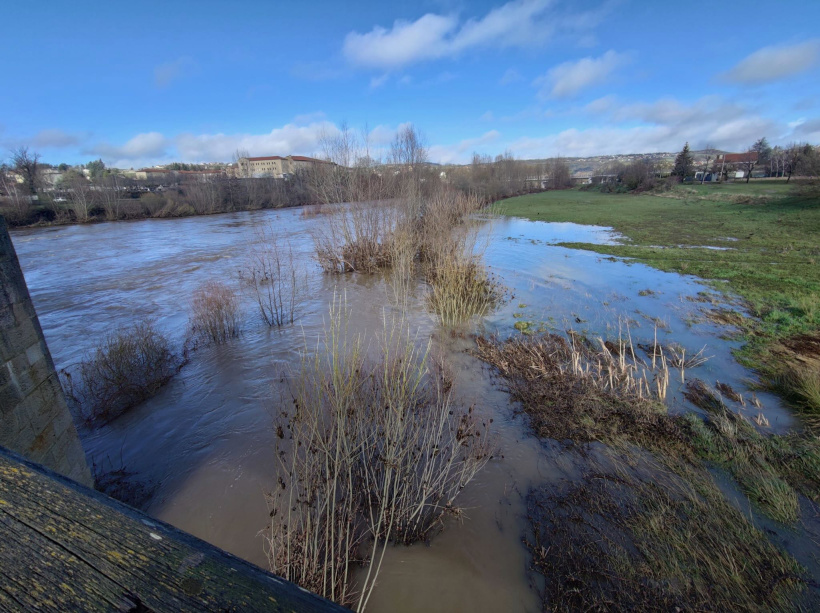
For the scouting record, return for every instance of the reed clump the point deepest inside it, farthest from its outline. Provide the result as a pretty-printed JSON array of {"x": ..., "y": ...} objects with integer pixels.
[
  {"x": 571, "y": 389},
  {"x": 214, "y": 313},
  {"x": 357, "y": 238},
  {"x": 126, "y": 368},
  {"x": 422, "y": 232},
  {"x": 371, "y": 452},
  {"x": 462, "y": 288}
]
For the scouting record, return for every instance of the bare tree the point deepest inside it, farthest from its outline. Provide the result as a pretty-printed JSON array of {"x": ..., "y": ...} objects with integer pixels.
[
  {"x": 409, "y": 147},
  {"x": 791, "y": 159},
  {"x": 82, "y": 194},
  {"x": 28, "y": 165},
  {"x": 243, "y": 169},
  {"x": 748, "y": 162},
  {"x": 13, "y": 191},
  {"x": 710, "y": 153},
  {"x": 559, "y": 174},
  {"x": 108, "y": 191}
]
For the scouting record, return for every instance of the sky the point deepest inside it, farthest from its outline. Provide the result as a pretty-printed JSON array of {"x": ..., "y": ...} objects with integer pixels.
[{"x": 155, "y": 82}]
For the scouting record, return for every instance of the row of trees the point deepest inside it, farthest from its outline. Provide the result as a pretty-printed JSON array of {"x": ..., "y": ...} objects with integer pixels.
[{"x": 794, "y": 159}]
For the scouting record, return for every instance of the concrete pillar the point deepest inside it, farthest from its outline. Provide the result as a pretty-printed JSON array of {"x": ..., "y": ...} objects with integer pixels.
[{"x": 34, "y": 418}]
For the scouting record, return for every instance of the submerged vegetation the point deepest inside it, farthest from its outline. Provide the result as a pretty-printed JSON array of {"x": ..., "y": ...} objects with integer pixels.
[
  {"x": 371, "y": 452},
  {"x": 619, "y": 541},
  {"x": 214, "y": 313},
  {"x": 767, "y": 234},
  {"x": 273, "y": 278},
  {"x": 126, "y": 368},
  {"x": 424, "y": 229},
  {"x": 643, "y": 531}
]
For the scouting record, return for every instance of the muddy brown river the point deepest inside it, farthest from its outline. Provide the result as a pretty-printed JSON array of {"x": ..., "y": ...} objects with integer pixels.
[{"x": 203, "y": 448}]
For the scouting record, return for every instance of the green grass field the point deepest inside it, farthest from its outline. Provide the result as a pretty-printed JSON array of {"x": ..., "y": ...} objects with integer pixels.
[{"x": 771, "y": 236}]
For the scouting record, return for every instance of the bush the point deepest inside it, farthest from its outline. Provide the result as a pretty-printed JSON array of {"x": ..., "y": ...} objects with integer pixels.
[
  {"x": 128, "y": 367},
  {"x": 371, "y": 452},
  {"x": 215, "y": 316},
  {"x": 274, "y": 279}
]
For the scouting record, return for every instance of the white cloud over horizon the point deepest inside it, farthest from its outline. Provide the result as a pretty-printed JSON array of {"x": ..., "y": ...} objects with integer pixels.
[
  {"x": 570, "y": 78},
  {"x": 519, "y": 23},
  {"x": 659, "y": 126},
  {"x": 774, "y": 63},
  {"x": 605, "y": 125}
]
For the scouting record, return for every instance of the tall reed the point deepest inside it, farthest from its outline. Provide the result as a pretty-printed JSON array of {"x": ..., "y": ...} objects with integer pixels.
[{"x": 371, "y": 452}]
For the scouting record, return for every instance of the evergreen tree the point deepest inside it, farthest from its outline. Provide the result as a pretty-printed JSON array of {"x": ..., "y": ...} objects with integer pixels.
[{"x": 684, "y": 163}]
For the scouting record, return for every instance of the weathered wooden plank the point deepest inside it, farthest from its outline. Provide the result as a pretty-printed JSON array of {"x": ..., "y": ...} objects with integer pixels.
[{"x": 65, "y": 547}]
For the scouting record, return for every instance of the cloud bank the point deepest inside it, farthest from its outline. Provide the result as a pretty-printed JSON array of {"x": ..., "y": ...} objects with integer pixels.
[
  {"x": 521, "y": 23},
  {"x": 775, "y": 63}
]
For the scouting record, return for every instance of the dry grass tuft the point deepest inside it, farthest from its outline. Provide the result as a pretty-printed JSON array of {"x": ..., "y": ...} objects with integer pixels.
[{"x": 215, "y": 313}]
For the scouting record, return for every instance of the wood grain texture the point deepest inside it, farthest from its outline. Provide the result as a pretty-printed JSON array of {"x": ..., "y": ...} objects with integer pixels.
[{"x": 64, "y": 547}]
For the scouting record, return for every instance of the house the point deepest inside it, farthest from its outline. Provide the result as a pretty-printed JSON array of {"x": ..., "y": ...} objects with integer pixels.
[
  {"x": 275, "y": 165},
  {"x": 734, "y": 165},
  {"x": 51, "y": 176}
]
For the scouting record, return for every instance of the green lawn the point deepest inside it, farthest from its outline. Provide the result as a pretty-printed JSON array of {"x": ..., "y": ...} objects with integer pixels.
[{"x": 773, "y": 236}]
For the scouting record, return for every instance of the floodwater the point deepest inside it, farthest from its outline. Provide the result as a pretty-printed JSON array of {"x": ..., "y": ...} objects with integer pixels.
[{"x": 204, "y": 446}]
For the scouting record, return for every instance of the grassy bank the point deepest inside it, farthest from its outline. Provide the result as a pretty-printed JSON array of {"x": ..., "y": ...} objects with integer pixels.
[{"x": 766, "y": 233}]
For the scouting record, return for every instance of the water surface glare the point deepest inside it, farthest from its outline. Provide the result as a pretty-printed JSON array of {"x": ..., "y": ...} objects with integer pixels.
[{"x": 205, "y": 444}]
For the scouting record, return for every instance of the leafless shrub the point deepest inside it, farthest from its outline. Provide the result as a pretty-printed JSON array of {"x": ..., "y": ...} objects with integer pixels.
[
  {"x": 356, "y": 238},
  {"x": 371, "y": 452},
  {"x": 274, "y": 278},
  {"x": 215, "y": 312},
  {"x": 126, "y": 368}
]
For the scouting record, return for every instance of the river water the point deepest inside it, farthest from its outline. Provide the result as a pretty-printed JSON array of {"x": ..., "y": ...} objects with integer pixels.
[{"x": 204, "y": 447}]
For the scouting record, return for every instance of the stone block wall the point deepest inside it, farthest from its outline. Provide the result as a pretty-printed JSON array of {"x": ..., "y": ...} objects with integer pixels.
[{"x": 34, "y": 418}]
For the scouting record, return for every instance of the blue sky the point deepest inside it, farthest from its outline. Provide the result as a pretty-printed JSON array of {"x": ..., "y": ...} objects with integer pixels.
[{"x": 152, "y": 82}]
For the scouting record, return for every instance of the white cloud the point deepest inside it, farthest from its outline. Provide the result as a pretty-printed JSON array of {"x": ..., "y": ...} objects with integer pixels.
[
  {"x": 303, "y": 136},
  {"x": 601, "y": 105},
  {"x": 775, "y": 62},
  {"x": 568, "y": 79},
  {"x": 510, "y": 76},
  {"x": 663, "y": 125},
  {"x": 167, "y": 73},
  {"x": 405, "y": 43},
  {"x": 809, "y": 129},
  {"x": 488, "y": 116},
  {"x": 57, "y": 139},
  {"x": 519, "y": 23},
  {"x": 461, "y": 151},
  {"x": 148, "y": 145},
  {"x": 291, "y": 138}
]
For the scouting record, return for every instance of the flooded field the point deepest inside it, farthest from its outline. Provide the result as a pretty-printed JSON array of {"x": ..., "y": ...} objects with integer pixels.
[{"x": 203, "y": 449}]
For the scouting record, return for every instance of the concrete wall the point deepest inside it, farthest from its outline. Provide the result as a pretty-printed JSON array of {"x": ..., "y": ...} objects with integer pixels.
[{"x": 34, "y": 419}]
